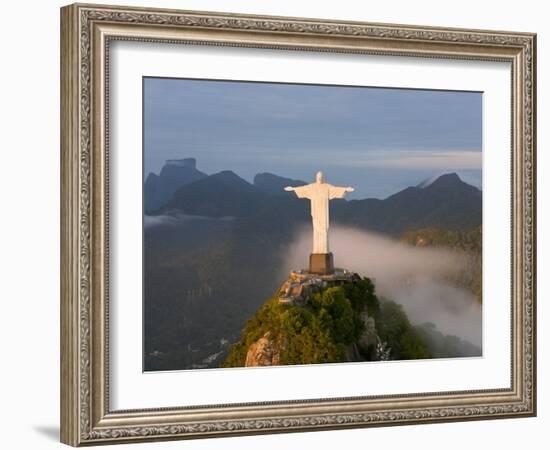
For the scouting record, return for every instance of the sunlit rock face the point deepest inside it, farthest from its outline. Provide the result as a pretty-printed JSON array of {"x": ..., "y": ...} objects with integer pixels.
[{"x": 263, "y": 352}]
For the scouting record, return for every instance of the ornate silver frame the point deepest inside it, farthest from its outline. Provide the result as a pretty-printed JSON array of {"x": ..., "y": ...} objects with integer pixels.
[{"x": 86, "y": 31}]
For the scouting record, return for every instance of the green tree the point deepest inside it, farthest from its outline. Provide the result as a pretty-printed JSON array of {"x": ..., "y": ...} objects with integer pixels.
[
  {"x": 394, "y": 328},
  {"x": 322, "y": 330}
]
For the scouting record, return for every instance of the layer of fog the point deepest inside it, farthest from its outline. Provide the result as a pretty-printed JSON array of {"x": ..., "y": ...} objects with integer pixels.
[
  {"x": 415, "y": 277},
  {"x": 175, "y": 218}
]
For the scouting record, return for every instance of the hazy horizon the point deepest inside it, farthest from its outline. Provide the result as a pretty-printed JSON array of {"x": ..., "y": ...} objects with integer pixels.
[
  {"x": 355, "y": 196},
  {"x": 379, "y": 140}
]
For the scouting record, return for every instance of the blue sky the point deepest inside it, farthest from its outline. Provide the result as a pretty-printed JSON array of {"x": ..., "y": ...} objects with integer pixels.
[{"x": 375, "y": 139}]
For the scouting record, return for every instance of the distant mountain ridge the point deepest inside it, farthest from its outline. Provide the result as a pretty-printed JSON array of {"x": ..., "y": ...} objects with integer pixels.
[
  {"x": 444, "y": 202},
  {"x": 218, "y": 195},
  {"x": 447, "y": 203},
  {"x": 158, "y": 189},
  {"x": 274, "y": 184}
]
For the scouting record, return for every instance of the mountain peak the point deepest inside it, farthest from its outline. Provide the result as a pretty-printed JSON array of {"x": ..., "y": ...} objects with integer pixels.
[
  {"x": 226, "y": 173},
  {"x": 191, "y": 163},
  {"x": 449, "y": 176},
  {"x": 447, "y": 179},
  {"x": 274, "y": 184},
  {"x": 218, "y": 195},
  {"x": 229, "y": 177},
  {"x": 174, "y": 174}
]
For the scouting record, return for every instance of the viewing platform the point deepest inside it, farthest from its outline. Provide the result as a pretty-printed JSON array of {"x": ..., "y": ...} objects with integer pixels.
[{"x": 301, "y": 284}]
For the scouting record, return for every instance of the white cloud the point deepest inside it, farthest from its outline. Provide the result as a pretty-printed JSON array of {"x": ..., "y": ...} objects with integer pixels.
[
  {"x": 441, "y": 160},
  {"x": 416, "y": 277},
  {"x": 427, "y": 159}
]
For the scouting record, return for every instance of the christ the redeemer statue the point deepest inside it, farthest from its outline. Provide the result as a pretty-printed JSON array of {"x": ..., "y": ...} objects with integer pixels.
[{"x": 319, "y": 194}]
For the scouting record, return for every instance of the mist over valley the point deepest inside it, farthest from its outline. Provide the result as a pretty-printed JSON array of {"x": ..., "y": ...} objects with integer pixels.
[{"x": 216, "y": 247}]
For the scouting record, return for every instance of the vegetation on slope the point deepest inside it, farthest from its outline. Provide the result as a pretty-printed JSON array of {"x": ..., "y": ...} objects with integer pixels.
[
  {"x": 445, "y": 346},
  {"x": 465, "y": 240},
  {"x": 323, "y": 330},
  {"x": 394, "y": 328}
]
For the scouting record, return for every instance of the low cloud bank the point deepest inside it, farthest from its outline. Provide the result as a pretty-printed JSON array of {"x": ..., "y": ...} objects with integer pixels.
[
  {"x": 176, "y": 218},
  {"x": 415, "y": 277}
]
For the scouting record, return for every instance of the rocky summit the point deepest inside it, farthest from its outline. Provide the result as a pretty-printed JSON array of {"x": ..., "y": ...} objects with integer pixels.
[
  {"x": 315, "y": 319},
  {"x": 301, "y": 285}
]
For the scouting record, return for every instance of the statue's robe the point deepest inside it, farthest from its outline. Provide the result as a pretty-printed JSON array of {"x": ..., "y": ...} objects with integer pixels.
[{"x": 319, "y": 195}]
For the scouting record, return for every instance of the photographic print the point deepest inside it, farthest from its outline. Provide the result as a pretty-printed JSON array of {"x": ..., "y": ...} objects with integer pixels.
[
  {"x": 294, "y": 224},
  {"x": 249, "y": 201}
]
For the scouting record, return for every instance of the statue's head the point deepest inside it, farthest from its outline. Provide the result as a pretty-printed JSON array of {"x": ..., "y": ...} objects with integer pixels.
[{"x": 320, "y": 178}]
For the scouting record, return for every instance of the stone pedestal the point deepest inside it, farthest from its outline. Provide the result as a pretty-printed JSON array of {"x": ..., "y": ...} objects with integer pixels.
[{"x": 321, "y": 263}]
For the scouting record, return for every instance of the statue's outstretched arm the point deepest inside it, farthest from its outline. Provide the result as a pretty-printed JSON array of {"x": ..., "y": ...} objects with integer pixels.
[
  {"x": 300, "y": 191},
  {"x": 338, "y": 191}
]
